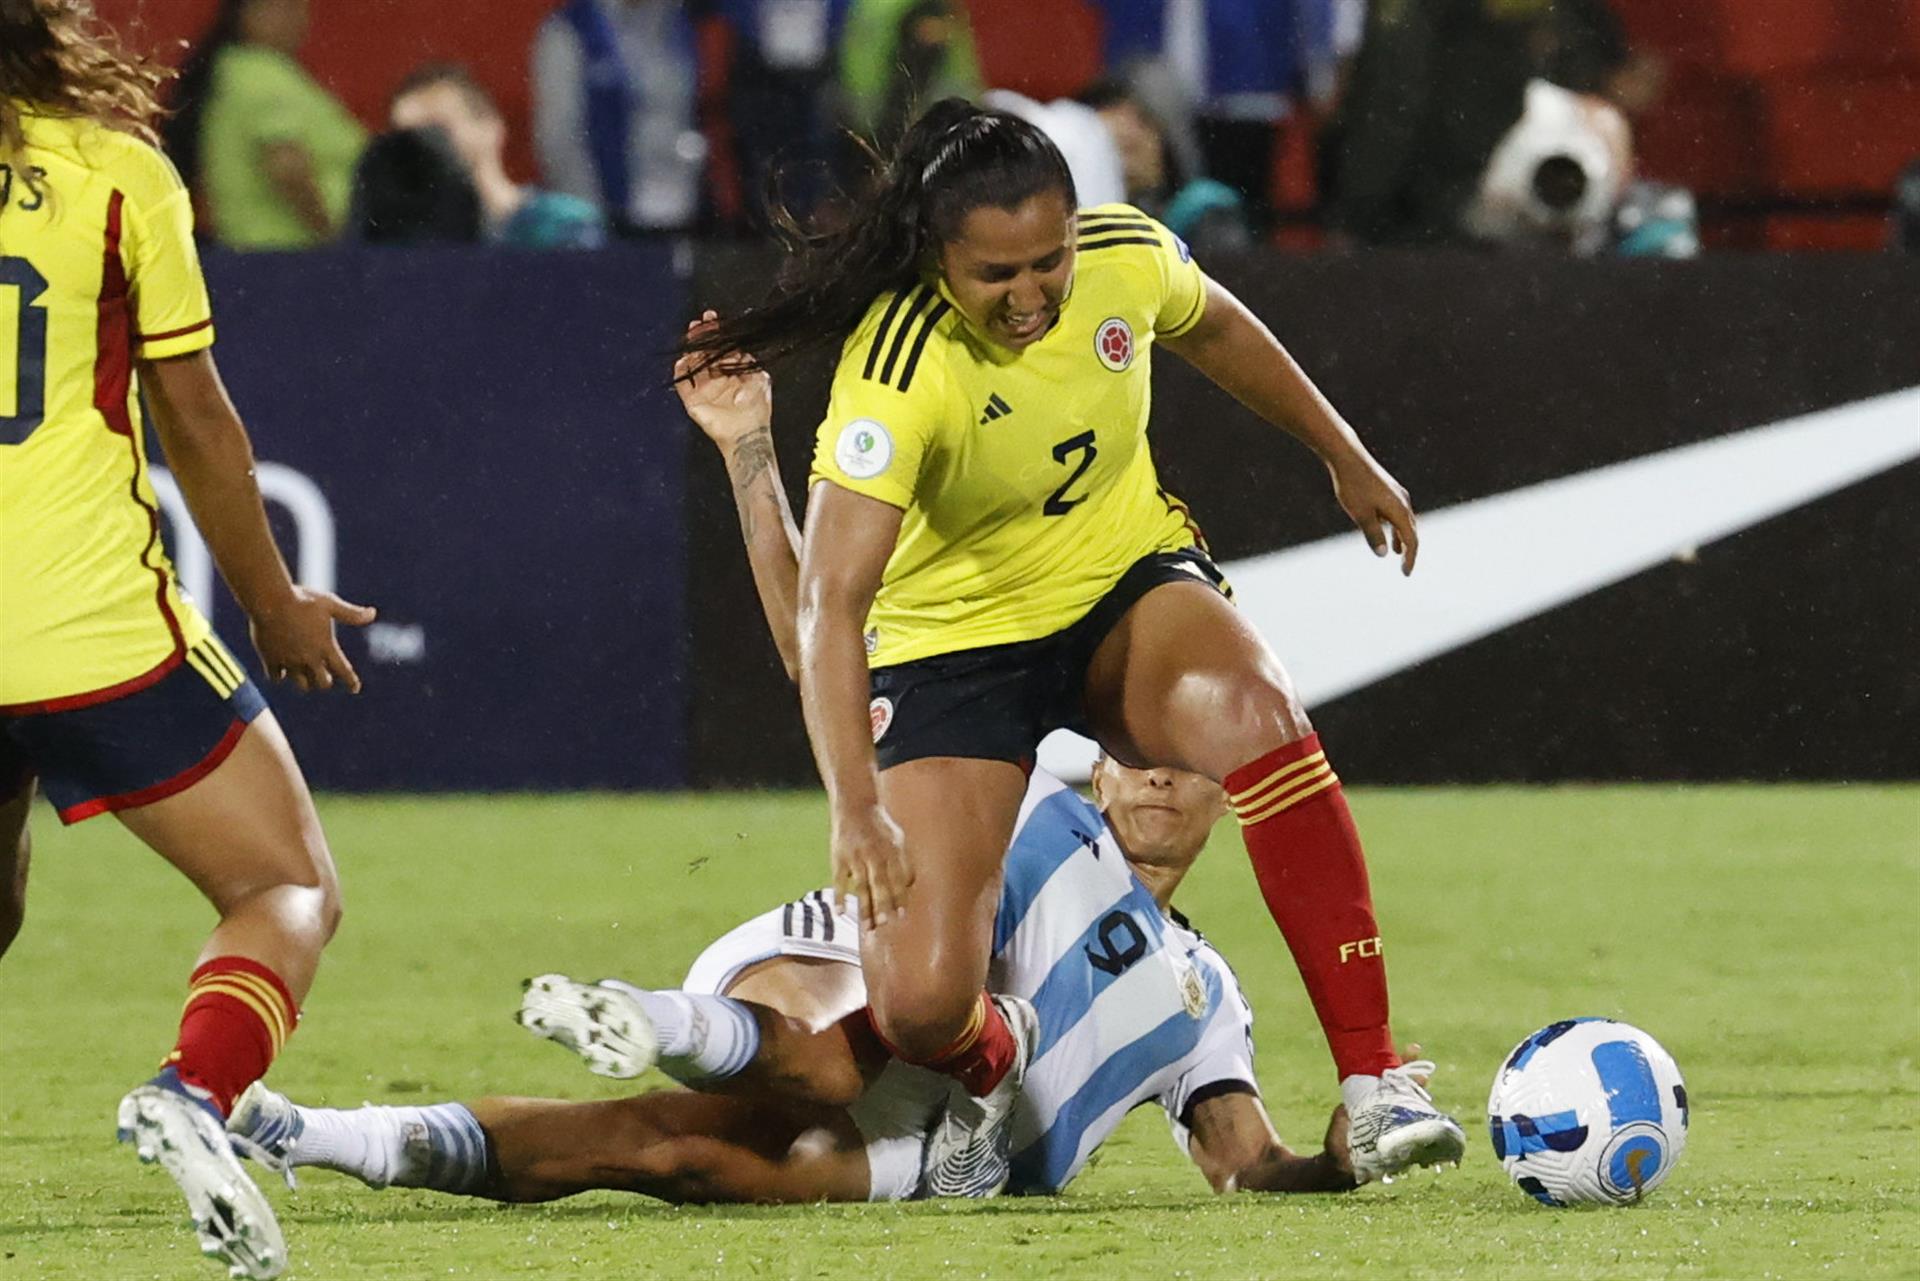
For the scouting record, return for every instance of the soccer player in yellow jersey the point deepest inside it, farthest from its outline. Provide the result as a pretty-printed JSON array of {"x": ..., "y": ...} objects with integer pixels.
[
  {"x": 115, "y": 696},
  {"x": 988, "y": 556}
]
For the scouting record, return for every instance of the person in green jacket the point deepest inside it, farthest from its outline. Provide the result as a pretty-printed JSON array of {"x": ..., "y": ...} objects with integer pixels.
[
  {"x": 271, "y": 151},
  {"x": 897, "y": 54}
]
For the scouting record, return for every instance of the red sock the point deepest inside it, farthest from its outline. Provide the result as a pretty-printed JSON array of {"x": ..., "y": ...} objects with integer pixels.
[
  {"x": 238, "y": 1016},
  {"x": 978, "y": 1058},
  {"x": 1306, "y": 855}
]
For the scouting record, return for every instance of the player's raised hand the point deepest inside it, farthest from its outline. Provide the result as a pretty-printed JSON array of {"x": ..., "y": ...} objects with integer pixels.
[
  {"x": 870, "y": 864},
  {"x": 1378, "y": 504},
  {"x": 296, "y": 640},
  {"x": 730, "y": 397}
]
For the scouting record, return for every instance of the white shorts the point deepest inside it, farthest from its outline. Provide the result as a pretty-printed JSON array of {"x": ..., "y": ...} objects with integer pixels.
[
  {"x": 808, "y": 927},
  {"x": 904, "y": 1102}
]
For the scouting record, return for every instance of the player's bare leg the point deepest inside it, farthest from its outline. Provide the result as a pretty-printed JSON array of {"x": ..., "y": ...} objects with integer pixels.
[
  {"x": 817, "y": 1053},
  {"x": 1183, "y": 680},
  {"x": 926, "y": 966},
  {"x": 16, "y": 849},
  {"x": 247, "y": 837},
  {"x": 680, "y": 1147}
]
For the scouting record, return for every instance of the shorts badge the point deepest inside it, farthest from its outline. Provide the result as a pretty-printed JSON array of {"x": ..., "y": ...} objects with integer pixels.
[
  {"x": 1113, "y": 343},
  {"x": 880, "y": 716}
]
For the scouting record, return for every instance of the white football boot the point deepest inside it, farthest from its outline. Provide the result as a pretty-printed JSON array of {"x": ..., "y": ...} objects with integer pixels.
[
  {"x": 266, "y": 1127},
  {"x": 600, "y": 1022},
  {"x": 970, "y": 1152},
  {"x": 1397, "y": 1127},
  {"x": 233, "y": 1220}
]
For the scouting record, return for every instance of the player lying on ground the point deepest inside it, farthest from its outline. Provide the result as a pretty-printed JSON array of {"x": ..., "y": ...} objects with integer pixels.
[
  {"x": 1132, "y": 1005},
  {"x": 989, "y": 556},
  {"x": 796, "y": 1102},
  {"x": 733, "y": 405}
]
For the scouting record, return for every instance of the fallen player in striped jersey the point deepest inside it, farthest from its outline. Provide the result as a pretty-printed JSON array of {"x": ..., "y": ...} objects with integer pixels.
[{"x": 791, "y": 1103}]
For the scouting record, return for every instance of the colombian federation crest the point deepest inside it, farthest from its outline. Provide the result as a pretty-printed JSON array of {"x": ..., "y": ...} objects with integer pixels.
[{"x": 1113, "y": 343}]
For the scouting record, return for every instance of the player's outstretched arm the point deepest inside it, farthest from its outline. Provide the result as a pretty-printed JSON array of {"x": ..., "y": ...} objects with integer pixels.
[
  {"x": 1232, "y": 347},
  {"x": 733, "y": 406},
  {"x": 1234, "y": 1144},
  {"x": 843, "y": 556},
  {"x": 208, "y": 450}
]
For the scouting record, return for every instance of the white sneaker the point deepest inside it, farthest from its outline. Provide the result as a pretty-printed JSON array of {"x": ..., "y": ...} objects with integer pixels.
[
  {"x": 600, "y": 1022},
  {"x": 233, "y": 1220},
  {"x": 970, "y": 1152},
  {"x": 1398, "y": 1127}
]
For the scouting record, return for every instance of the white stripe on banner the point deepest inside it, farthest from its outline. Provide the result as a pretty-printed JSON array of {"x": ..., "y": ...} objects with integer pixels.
[{"x": 1493, "y": 562}]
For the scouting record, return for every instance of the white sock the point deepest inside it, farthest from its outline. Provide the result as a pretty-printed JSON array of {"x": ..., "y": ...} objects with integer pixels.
[
  {"x": 364, "y": 1142},
  {"x": 700, "y": 1037},
  {"x": 440, "y": 1147}
]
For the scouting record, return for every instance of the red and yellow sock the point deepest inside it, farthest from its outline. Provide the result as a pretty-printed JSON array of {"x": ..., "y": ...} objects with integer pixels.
[
  {"x": 979, "y": 1058},
  {"x": 238, "y": 1017},
  {"x": 1306, "y": 855}
]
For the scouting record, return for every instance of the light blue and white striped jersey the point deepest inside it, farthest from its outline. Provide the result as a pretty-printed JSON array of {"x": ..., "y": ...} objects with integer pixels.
[{"x": 1134, "y": 1005}]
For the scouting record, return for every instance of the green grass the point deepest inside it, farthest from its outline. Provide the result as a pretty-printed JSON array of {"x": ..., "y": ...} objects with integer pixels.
[{"x": 1766, "y": 936}]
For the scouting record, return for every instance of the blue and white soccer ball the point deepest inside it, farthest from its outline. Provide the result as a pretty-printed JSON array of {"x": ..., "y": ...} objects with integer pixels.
[{"x": 1588, "y": 1112}]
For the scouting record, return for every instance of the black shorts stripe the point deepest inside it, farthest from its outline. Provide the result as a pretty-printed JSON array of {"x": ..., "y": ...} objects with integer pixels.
[
  {"x": 921, "y": 302},
  {"x": 933, "y": 319},
  {"x": 222, "y": 685},
  {"x": 225, "y": 661},
  {"x": 826, "y": 915},
  {"x": 1112, "y": 241},
  {"x": 880, "y": 335},
  {"x": 786, "y": 920}
]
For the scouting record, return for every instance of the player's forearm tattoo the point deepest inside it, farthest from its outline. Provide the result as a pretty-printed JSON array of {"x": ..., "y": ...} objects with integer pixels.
[{"x": 751, "y": 459}]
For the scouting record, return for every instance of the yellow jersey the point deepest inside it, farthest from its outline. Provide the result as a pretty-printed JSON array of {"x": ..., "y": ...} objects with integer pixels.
[
  {"x": 1025, "y": 477},
  {"x": 97, "y": 270}
]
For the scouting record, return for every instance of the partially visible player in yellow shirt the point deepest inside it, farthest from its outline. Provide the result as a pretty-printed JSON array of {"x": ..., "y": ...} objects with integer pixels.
[
  {"x": 988, "y": 556},
  {"x": 115, "y": 696}
]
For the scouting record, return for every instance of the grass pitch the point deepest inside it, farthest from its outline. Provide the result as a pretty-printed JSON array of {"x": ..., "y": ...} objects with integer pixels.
[{"x": 1765, "y": 936}]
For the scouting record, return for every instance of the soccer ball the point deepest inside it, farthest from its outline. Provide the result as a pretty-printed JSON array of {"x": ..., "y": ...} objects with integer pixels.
[{"x": 1588, "y": 1112}]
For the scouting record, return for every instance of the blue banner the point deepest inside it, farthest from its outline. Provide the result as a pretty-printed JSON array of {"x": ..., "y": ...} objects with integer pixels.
[{"x": 482, "y": 445}]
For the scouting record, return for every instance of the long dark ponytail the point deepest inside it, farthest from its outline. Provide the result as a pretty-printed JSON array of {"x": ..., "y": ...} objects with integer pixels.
[
  {"x": 956, "y": 158},
  {"x": 194, "y": 86}
]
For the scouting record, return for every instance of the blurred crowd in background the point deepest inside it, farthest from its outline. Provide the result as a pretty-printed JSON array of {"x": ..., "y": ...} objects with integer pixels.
[{"x": 1307, "y": 123}]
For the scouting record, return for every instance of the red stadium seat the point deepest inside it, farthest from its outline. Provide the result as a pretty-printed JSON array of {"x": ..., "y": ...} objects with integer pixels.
[
  {"x": 1045, "y": 51},
  {"x": 1798, "y": 233},
  {"x": 1704, "y": 134},
  {"x": 1841, "y": 132}
]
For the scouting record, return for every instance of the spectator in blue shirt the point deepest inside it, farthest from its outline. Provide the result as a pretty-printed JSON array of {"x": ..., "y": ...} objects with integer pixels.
[
  {"x": 1243, "y": 63},
  {"x": 777, "y": 95},
  {"x": 446, "y": 97}
]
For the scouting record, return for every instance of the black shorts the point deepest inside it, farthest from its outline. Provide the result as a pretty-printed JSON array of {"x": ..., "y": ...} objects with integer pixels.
[
  {"x": 95, "y": 757},
  {"x": 997, "y": 702}
]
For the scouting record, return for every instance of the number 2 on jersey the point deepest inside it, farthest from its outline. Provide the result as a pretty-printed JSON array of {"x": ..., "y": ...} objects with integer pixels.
[
  {"x": 1059, "y": 504},
  {"x": 23, "y": 370}
]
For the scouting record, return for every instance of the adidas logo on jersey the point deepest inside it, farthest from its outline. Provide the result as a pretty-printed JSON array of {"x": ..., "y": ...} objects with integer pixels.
[{"x": 996, "y": 408}]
